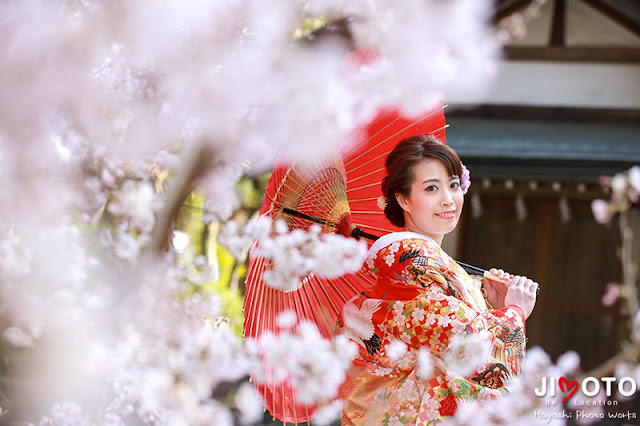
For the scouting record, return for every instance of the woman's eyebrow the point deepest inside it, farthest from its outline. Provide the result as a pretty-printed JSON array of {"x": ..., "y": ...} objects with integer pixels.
[
  {"x": 438, "y": 180},
  {"x": 431, "y": 180}
]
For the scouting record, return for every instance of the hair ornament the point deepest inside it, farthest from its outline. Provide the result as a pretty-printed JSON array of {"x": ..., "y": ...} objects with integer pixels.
[
  {"x": 383, "y": 184},
  {"x": 382, "y": 200},
  {"x": 465, "y": 179}
]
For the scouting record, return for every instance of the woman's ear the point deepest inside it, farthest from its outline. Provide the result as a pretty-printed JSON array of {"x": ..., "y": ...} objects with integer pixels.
[{"x": 402, "y": 201}]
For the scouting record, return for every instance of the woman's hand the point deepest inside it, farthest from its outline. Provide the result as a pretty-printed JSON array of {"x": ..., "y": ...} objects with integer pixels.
[
  {"x": 519, "y": 291},
  {"x": 522, "y": 292},
  {"x": 496, "y": 290}
]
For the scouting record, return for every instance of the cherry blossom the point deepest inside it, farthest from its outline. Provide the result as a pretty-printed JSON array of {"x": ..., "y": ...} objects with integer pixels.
[
  {"x": 425, "y": 363},
  {"x": 601, "y": 211},
  {"x": 103, "y": 102},
  {"x": 612, "y": 293},
  {"x": 396, "y": 350},
  {"x": 315, "y": 366},
  {"x": 634, "y": 178},
  {"x": 466, "y": 353},
  {"x": 296, "y": 253}
]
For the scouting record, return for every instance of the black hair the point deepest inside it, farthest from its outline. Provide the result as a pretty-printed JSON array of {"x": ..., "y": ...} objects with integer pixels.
[{"x": 400, "y": 168}]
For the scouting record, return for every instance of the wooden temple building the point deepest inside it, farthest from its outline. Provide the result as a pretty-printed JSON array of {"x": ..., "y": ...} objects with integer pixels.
[{"x": 564, "y": 111}]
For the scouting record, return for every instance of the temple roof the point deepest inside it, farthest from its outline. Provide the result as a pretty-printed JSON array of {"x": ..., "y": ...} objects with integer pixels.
[{"x": 531, "y": 149}]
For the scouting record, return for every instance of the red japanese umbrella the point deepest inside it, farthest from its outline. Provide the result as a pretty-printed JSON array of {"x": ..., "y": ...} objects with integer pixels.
[{"x": 340, "y": 193}]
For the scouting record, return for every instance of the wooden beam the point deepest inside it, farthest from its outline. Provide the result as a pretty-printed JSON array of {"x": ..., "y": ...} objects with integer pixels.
[
  {"x": 558, "y": 24},
  {"x": 505, "y": 9},
  {"x": 616, "y": 14},
  {"x": 620, "y": 55},
  {"x": 521, "y": 112},
  {"x": 543, "y": 192}
]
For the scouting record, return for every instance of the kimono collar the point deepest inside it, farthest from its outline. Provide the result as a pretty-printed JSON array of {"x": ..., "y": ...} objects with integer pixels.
[
  {"x": 391, "y": 238},
  {"x": 468, "y": 289}
]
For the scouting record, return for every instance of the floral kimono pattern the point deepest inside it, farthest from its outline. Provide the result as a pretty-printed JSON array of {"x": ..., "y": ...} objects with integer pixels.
[{"x": 423, "y": 299}]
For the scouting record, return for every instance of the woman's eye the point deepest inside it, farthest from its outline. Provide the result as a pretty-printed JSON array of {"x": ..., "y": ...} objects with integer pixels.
[
  {"x": 431, "y": 188},
  {"x": 455, "y": 184}
]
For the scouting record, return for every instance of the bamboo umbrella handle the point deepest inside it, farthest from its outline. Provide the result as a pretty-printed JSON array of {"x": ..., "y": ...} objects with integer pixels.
[
  {"x": 492, "y": 277},
  {"x": 474, "y": 270},
  {"x": 347, "y": 228}
]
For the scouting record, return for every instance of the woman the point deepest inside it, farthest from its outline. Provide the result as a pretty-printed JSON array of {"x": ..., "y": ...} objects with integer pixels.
[{"x": 408, "y": 324}]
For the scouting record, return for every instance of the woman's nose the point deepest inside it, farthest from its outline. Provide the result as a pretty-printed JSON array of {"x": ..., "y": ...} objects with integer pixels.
[{"x": 447, "y": 198}]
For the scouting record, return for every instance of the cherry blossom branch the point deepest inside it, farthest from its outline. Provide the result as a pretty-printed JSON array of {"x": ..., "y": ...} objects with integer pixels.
[
  {"x": 628, "y": 266},
  {"x": 196, "y": 161},
  {"x": 625, "y": 188}
]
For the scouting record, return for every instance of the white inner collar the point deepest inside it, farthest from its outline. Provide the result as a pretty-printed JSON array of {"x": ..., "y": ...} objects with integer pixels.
[{"x": 391, "y": 238}]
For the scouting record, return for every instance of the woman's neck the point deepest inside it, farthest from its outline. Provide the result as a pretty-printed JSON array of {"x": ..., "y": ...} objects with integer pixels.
[{"x": 435, "y": 237}]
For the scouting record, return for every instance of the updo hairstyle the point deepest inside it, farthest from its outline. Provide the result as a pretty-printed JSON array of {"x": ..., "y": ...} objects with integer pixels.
[{"x": 400, "y": 168}]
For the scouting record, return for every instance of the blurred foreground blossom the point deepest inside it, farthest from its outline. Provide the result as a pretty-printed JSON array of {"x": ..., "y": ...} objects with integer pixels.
[
  {"x": 179, "y": 359},
  {"x": 591, "y": 407},
  {"x": 466, "y": 353},
  {"x": 137, "y": 201},
  {"x": 296, "y": 253},
  {"x": 522, "y": 405},
  {"x": 17, "y": 338},
  {"x": 249, "y": 404},
  {"x": 328, "y": 414},
  {"x": 102, "y": 102},
  {"x": 315, "y": 366},
  {"x": 425, "y": 363},
  {"x": 14, "y": 257},
  {"x": 569, "y": 362},
  {"x": 396, "y": 350},
  {"x": 65, "y": 412}
]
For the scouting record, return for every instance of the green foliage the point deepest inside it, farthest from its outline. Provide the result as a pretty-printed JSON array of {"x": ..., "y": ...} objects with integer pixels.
[
  {"x": 6, "y": 355},
  {"x": 232, "y": 300},
  {"x": 250, "y": 192},
  {"x": 190, "y": 222},
  {"x": 202, "y": 241}
]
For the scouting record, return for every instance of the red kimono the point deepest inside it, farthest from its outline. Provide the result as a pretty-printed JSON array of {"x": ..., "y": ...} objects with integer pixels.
[{"x": 423, "y": 299}]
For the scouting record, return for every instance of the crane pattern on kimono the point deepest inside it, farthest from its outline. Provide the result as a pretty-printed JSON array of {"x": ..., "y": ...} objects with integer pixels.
[
  {"x": 358, "y": 323},
  {"x": 424, "y": 270}
]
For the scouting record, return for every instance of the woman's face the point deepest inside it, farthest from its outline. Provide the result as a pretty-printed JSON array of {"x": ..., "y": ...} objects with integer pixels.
[{"x": 433, "y": 208}]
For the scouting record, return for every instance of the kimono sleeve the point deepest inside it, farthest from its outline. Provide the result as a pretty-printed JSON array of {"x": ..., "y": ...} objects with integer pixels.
[{"x": 436, "y": 315}]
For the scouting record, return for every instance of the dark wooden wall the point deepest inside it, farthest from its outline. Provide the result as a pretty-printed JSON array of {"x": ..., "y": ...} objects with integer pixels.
[{"x": 572, "y": 261}]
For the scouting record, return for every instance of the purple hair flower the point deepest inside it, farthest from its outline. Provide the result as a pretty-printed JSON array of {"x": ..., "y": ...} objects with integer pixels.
[
  {"x": 465, "y": 179},
  {"x": 383, "y": 184}
]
